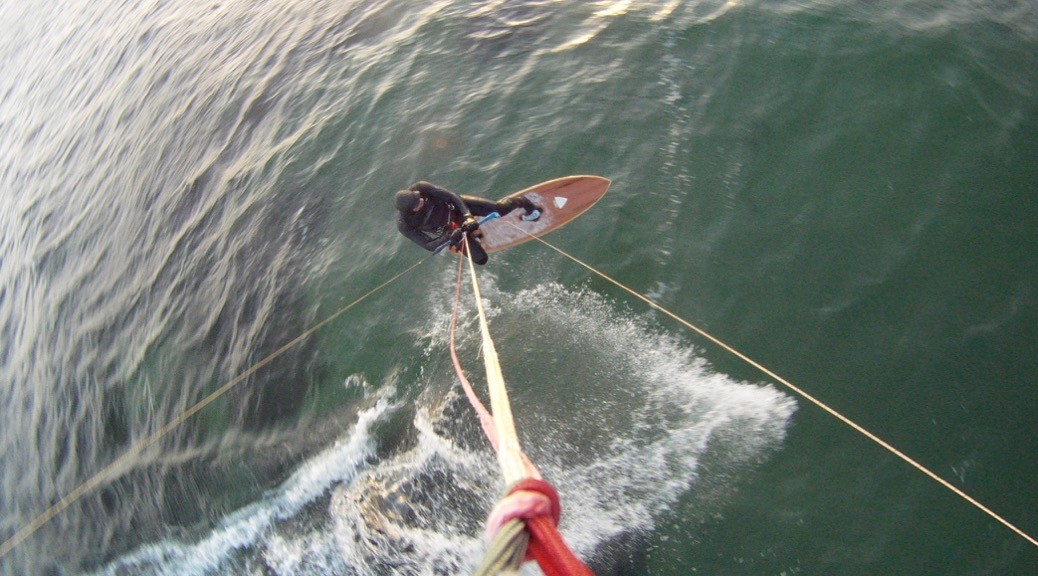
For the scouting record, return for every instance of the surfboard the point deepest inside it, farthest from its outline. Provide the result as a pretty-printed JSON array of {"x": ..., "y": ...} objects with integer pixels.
[{"x": 561, "y": 200}]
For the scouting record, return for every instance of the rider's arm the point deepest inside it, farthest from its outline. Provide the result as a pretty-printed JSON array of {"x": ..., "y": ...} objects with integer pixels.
[{"x": 416, "y": 236}]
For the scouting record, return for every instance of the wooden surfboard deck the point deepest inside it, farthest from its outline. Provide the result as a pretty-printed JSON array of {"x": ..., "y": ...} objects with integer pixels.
[{"x": 561, "y": 200}]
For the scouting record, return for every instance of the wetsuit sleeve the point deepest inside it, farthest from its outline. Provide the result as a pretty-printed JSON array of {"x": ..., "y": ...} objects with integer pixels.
[
  {"x": 416, "y": 236},
  {"x": 442, "y": 194}
]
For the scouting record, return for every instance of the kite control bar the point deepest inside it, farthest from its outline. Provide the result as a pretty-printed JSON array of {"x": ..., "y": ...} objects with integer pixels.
[{"x": 486, "y": 218}]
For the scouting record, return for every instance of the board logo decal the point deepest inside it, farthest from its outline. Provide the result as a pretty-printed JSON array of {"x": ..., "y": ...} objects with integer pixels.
[{"x": 560, "y": 201}]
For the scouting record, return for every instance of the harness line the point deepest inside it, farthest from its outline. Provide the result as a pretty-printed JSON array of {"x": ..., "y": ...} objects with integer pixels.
[
  {"x": 509, "y": 453},
  {"x": 523, "y": 525},
  {"x": 134, "y": 450},
  {"x": 820, "y": 404}
]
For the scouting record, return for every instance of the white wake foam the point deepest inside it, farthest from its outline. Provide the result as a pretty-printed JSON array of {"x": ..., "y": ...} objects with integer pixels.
[{"x": 618, "y": 415}]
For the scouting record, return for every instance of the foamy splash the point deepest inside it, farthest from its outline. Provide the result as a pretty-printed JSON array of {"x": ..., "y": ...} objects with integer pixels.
[{"x": 619, "y": 416}]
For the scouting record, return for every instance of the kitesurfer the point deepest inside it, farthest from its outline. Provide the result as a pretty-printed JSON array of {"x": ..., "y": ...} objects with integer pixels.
[{"x": 432, "y": 216}]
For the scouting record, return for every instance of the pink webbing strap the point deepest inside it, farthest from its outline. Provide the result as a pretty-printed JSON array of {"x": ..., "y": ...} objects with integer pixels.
[{"x": 485, "y": 419}]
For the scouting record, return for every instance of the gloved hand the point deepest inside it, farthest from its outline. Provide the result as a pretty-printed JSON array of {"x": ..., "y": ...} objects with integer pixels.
[
  {"x": 457, "y": 237},
  {"x": 470, "y": 224}
]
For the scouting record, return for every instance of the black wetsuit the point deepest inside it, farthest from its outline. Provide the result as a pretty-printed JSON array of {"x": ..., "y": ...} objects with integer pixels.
[{"x": 443, "y": 212}]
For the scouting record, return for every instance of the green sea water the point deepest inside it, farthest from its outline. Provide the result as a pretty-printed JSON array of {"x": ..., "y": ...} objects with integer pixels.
[{"x": 845, "y": 192}]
